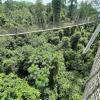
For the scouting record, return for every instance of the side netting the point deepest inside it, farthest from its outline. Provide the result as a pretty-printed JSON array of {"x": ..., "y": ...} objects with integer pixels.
[{"x": 92, "y": 89}]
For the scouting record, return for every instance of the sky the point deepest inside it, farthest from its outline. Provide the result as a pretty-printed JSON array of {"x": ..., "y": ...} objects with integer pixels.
[{"x": 44, "y": 1}]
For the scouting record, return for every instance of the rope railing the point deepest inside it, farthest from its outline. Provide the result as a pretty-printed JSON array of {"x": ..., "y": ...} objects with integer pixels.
[
  {"x": 93, "y": 82},
  {"x": 94, "y": 73},
  {"x": 89, "y": 96},
  {"x": 51, "y": 29},
  {"x": 92, "y": 39}
]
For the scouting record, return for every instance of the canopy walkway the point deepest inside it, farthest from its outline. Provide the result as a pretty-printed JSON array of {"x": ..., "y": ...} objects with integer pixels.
[
  {"x": 52, "y": 29},
  {"x": 92, "y": 89}
]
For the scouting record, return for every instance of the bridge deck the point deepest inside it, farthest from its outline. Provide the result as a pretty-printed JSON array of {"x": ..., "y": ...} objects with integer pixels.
[{"x": 92, "y": 89}]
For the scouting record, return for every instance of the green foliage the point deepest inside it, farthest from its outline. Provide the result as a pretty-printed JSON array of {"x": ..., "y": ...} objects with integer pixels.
[
  {"x": 39, "y": 75},
  {"x": 72, "y": 9},
  {"x": 56, "y": 5},
  {"x": 51, "y": 62},
  {"x": 46, "y": 65},
  {"x": 74, "y": 40},
  {"x": 69, "y": 86},
  {"x": 12, "y": 87},
  {"x": 39, "y": 13},
  {"x": 86, "y": 10}
]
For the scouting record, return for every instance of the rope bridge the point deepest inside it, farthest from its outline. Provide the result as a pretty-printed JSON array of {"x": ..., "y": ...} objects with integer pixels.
[
  {"x": 92, "y": 89},
  {"x": 52, "y": 29}
]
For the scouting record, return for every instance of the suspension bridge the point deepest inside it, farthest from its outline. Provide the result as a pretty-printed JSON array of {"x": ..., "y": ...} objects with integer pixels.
[
  {"x": 92, "y": 89},
  {"x": 52, "y": 29}
]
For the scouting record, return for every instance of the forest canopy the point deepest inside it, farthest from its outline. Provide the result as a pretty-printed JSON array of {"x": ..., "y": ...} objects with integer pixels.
[
  {"x": 45, "y": 65},
  {"x": 48, "y": 65},
  {"x": 23, "y": 16}
]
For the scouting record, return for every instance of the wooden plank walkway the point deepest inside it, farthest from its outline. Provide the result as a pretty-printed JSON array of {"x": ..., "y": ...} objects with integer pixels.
[{"x": 92, "y": 89}]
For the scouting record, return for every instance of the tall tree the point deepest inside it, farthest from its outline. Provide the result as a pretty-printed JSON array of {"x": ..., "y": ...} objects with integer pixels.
[
  {"x": 96, "y": 4},
  {"x": 86, "y": 10},
  {"x": 40, "y": 13},
  {"x": 0, "y": 1},
  {"x": 56, "y": 6},
  {"x": 72, "y": 8},
  {"x": 63, "y": 2},
  {"x": 96, "y": 1},
  {"x": 49, "y": 14}
]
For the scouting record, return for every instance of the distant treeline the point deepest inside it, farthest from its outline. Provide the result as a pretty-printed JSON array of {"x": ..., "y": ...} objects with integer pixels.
[{"x": 22, "y": 16}]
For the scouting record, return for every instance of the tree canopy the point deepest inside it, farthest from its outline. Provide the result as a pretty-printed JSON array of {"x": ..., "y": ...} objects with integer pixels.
[{"x": 45, "y": 65}]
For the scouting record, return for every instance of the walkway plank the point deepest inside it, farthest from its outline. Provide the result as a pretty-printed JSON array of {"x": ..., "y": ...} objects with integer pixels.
[{"x": 92, "y": 89}]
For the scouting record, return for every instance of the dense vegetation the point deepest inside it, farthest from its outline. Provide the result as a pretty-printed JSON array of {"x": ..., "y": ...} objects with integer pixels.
[
  {"x": 47, "y": 66},
  {"x": 22, "y": 16}
]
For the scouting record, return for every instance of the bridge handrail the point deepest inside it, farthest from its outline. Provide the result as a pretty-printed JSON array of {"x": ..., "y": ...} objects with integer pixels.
[{"x": 55, "y": 28}]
